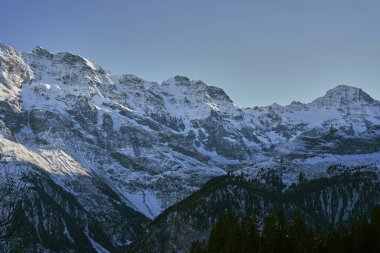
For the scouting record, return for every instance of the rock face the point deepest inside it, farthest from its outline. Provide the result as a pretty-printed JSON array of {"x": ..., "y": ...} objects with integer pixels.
[{"x": 115, "y": 143}]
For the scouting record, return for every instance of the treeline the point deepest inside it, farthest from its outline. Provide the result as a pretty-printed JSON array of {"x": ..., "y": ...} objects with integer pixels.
[{"x": 279, "y": 235}]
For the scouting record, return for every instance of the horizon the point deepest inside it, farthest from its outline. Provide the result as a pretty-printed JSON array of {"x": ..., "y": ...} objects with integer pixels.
[
  {"x": 160, "y": 82},
  {"x": 258, "y": 52},
  {"x": 141, "y": 126}
]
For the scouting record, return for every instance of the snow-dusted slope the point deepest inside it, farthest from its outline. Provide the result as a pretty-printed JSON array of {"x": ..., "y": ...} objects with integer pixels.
[{"x": 153, "y": 144}]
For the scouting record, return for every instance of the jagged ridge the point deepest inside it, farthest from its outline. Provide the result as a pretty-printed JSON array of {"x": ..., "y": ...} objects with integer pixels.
[{"x": 153, "y": 144}]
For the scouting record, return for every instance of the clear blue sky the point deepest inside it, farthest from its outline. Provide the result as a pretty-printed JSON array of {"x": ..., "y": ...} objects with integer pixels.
[{"x": 259, "y": 52}]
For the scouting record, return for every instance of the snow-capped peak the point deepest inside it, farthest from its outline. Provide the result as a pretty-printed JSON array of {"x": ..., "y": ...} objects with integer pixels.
[
  {"x": 114, "y": 142},
  {"x": 182, "y": 81},
  {"x": 212, "y": 92},
  {"x": 343, "y": 95},
  {"x": 42, "y": 52}
]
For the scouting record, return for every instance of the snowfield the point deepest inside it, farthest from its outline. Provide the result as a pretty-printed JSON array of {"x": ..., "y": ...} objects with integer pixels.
[{"x": 150, "y": 145}]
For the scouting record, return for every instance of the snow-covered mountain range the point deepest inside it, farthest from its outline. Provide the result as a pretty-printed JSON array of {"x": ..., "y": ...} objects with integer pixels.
[{"x": 115, "y": 143}]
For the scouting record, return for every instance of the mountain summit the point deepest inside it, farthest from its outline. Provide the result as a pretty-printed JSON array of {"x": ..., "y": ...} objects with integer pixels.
[
  {"x": 116, "y": 151},
  {"x": 344, "y": 95}
]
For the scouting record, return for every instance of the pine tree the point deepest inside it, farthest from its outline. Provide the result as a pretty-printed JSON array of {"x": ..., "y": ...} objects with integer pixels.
[
  {"x": 197, "y": 247},
  {"x": 301, "y": 238},
  {"x": 230, "y": 236},
  {"x": 250, "y": 236},
  {"x": 221, "y": 237},
  {"x": 268, "y": 240},
  {"x": 375, "y": 229},
  {"x": 280, "y": 235}
]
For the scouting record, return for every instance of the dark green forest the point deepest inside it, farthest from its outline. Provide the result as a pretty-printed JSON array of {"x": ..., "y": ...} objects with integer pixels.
[{"x": 279, "y": 235}]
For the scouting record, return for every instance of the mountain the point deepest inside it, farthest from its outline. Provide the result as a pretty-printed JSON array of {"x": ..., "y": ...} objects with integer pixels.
[
  {"x": 324, "y": 202},
  {"x": 121, "y": 149}
]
